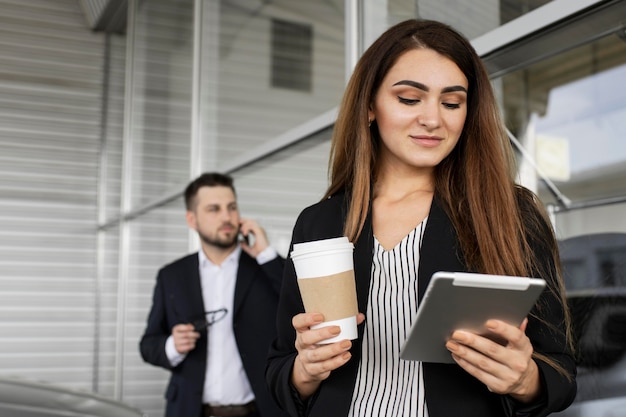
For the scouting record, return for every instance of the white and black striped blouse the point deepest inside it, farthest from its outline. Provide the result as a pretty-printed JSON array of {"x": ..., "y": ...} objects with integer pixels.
[{"x": 385, "y": 384}]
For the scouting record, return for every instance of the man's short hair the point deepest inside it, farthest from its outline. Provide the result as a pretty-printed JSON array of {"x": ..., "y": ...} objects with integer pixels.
[{"x": 208, "y": 179}]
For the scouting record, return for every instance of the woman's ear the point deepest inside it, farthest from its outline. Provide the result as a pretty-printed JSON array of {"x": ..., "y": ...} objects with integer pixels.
[{"x": 370, "y": 116}]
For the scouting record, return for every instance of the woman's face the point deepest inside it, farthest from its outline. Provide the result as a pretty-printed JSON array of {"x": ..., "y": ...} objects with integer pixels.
[{"x": 420, "y": 109}]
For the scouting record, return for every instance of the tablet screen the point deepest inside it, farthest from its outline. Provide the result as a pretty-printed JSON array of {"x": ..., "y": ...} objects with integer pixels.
[{"x": 461, "y": 300}]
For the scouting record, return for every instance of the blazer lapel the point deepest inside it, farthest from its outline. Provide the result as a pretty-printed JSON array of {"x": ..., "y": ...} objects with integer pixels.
[
  {"x": 192, "y": 287},
  {"x": 440, "y": 247},
  {"x": 363, "y": 263}
]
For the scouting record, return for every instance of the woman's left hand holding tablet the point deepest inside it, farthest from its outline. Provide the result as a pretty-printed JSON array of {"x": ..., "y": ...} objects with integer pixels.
[{"x": 504, "y": 369}]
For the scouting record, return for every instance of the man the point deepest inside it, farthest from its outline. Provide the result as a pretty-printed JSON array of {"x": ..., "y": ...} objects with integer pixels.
[{"x": 213, "y": 313}]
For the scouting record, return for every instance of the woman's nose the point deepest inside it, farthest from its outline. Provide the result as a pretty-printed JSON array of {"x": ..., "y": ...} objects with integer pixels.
[{"x": 429, "y": 116}]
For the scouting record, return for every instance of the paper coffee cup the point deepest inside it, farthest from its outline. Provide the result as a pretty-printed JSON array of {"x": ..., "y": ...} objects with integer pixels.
[{"x": 325, "y": 271}]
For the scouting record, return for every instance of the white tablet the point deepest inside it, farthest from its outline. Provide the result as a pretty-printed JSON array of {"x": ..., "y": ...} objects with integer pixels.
[{"x": 461, "y": 300}]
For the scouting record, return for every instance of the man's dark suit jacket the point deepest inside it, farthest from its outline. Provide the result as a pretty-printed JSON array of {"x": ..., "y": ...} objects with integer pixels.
[
  {"x": 178, "y": 298},
  {"x": 449, "y": 390}
]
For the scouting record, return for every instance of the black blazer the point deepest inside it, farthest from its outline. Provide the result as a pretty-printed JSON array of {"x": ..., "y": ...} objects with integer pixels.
[
  {"x": 178, "y": 298},
  {"x": 449, "y": 390}
]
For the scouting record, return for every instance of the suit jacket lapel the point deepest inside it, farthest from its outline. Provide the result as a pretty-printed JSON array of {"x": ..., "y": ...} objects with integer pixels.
[
  {"x": 363, "y": 263},
  {"x": 192, "y": 287},
  {"x": 440, "y": 247}
]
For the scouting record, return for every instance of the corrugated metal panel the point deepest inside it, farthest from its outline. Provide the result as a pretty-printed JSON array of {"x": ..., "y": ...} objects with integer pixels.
[
  {"x": 50, "y": 90},
  {"x": 106, "y": 15},
  {"x": 93, "y": 10}
]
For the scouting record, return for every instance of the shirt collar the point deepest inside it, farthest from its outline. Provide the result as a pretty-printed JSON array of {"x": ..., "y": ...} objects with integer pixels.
[{"x": 233, "y": 257}]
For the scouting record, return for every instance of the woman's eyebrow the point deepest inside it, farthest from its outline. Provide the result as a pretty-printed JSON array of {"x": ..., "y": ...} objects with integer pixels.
[
  {"x": 424, "y": 87},
  {"x": 413, "y": 84},
  {"x": 454, "y": 88}
]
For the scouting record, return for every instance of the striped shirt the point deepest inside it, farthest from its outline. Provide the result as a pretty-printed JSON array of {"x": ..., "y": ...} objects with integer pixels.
[{"x": 385, "y": 384}]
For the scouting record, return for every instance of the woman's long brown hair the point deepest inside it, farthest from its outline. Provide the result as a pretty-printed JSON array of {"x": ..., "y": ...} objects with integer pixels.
[{"x": 475, "y": 183}]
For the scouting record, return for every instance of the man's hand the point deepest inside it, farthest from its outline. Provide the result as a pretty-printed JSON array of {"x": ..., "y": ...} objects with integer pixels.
[
  {"x": 259, "y": 241},
  {"x": 184, "y": 337}
]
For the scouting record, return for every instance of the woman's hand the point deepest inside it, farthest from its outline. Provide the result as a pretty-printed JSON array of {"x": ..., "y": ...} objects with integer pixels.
[
  {"x": 315, "y": 361},
  {"x": 504, "y": 369}
]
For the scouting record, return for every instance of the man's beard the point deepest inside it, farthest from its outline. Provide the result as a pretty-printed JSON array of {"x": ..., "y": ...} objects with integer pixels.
[{"x": 219, "y": 243}]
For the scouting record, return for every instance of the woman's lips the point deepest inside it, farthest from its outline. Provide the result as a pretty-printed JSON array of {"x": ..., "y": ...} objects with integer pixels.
[{"x": 428, "y": 141}]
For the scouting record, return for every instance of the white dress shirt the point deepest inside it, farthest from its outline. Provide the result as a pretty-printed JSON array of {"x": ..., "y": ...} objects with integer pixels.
[{"x": 226, "y": 381}]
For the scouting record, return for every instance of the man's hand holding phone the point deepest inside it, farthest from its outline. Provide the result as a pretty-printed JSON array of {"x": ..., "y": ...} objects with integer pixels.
[{"x": 252, "y": 237}]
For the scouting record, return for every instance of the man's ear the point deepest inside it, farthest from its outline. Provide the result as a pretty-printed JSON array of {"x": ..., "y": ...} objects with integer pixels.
[{"x": 190, "y": 216}]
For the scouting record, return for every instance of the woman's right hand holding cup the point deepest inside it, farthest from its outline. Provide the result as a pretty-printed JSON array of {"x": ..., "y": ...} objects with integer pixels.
[{"x": 315, "y": 361}]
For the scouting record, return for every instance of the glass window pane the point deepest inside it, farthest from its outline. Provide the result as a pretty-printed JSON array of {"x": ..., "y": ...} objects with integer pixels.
[
  {"x": 512, "y": 9},
  {"x": 475, "y": 18},
  {"x": 161, "y": 113},
  {"x": 113, "y": 131},
  {"x": 570, "y": 112},
  {"x": 267, "y": 68}
]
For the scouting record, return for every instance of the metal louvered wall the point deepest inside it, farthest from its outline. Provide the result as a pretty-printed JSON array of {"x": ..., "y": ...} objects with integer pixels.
[
  {"x": 50, "y": 113},
  {"x": 93, "y": 9},
  {"x": 107, "y": 15}
]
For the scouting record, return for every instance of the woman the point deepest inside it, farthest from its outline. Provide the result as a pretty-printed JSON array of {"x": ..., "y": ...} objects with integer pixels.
[{"x": 422, "y": 180}]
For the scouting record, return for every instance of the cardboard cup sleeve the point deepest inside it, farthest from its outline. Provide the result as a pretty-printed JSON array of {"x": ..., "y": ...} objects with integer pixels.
[{"x": 326, "y": 281}]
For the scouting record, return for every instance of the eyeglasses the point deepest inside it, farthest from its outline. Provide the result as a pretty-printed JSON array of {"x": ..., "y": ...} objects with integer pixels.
[{"x": 208, "y": 319}]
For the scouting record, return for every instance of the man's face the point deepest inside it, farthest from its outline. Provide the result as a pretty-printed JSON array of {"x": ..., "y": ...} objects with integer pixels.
[{"x": 215, "y": 216}]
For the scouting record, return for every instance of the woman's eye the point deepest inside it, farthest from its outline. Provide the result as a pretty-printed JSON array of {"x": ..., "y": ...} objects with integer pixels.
[
  {"x": 452, "y": 105},
  {"x": 407, "y": 100}
]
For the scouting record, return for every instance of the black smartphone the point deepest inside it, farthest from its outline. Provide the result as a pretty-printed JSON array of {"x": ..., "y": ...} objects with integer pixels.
[{"x": 247, "y": 239}]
